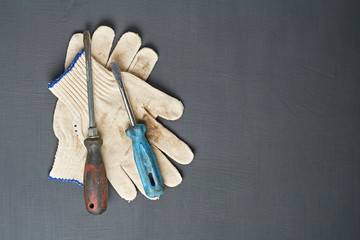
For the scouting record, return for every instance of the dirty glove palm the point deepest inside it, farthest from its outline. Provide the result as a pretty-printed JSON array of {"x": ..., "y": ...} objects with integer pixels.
[{"x": 111, "y": 118}]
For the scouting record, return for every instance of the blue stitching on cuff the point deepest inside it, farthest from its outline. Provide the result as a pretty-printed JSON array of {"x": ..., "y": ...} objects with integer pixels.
[
  {"x": 52, "y": 84},
  {"x": 66, "y": 180}
]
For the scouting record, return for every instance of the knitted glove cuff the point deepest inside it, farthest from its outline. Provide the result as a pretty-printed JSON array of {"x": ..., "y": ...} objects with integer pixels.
[
  {"x": 71, "y": 86},
  {"x": 70, "y": 166}
]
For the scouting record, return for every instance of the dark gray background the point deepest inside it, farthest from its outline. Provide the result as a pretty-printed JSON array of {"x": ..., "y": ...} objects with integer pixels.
[{"x": 272, "y": 110}]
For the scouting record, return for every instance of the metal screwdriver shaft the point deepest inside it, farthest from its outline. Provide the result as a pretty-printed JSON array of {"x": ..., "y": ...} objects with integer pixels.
[
  {"x": 89, "y": 84},
  {"x": 117, "y": 74},
  {"x": 143, "y": 155},
  {"x": 95, "y": 181}
]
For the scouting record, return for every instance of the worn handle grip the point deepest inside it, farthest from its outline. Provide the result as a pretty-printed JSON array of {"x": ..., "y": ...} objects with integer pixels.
[
  {"x": 145, "y": 161},
  {"x": 95, "y": 181}
]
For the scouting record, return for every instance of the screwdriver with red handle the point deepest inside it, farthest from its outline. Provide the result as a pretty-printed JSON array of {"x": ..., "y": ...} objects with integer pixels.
[{"x": 95, "y": 181}]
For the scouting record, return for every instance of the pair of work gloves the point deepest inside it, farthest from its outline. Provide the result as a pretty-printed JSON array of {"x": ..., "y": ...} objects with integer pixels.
[{"x": 71, "y": 119}]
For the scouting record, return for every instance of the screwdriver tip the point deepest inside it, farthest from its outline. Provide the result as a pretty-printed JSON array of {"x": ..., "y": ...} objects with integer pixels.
[
  {"x": 117, "y": 73},
  {"x": 87, "y": 39}
]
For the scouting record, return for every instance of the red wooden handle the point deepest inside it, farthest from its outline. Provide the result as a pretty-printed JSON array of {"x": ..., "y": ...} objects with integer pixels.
[{"x": 95, "y": 181}]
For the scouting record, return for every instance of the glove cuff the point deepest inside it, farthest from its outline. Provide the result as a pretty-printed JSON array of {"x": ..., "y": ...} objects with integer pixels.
[
  {"x": 71, "y": 86},
  {"x": 69, "y": 162}
]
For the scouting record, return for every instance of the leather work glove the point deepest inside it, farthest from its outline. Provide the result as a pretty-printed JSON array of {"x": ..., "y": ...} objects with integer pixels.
[{"x": 110, "y": 114}]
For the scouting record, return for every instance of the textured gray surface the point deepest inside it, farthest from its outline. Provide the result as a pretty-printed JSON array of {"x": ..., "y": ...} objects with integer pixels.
[{"x": 272, "y": 109}]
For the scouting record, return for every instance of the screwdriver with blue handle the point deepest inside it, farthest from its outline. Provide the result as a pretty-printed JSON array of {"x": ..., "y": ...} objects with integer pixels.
[{"x": 143, "y": 155}]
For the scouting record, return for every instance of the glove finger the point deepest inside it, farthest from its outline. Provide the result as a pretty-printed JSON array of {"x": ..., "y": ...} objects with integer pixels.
[
  {"x": 130, "y": 168},
  {"x": 143, "y": 63},
  {"x": 121, "y": 182},
  {"x": 156, "y": 102},
  {"x": 169, "y": 173},
  {"x": 75, "y": 45},
  {"x": 101, "y": 43},
  {"x": 125, "y": 51},
  {"x": 167, "y": 142}
]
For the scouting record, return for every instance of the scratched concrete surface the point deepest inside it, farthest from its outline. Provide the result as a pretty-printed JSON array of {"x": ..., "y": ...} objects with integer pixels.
[{"x": 272, "y": 112}]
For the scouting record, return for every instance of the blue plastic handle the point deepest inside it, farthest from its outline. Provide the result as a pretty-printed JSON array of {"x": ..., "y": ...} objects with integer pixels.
[{"x": 145, "y": 161}]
